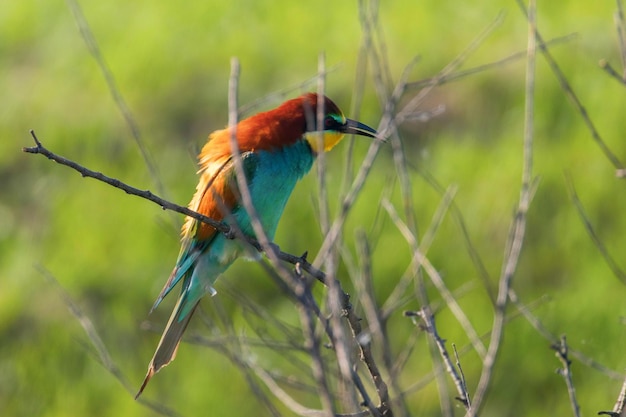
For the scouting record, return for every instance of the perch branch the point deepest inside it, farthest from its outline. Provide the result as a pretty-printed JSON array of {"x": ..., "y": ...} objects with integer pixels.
[{"x": 560, "y": 349}]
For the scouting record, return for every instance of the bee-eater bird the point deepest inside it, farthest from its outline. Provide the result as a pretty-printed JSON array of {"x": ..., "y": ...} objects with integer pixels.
[{"x": 277, "y": 148}]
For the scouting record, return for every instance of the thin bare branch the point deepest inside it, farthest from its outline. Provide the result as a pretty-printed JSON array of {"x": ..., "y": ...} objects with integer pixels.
[
  {"x": 611, "y": 263},
  {"x": 324, "y": 210},
  {"x": 280, "y": 95},
  {"x": 620, "y": 27},
  {"x": 553, "y": 339},
  {"x": 479, "y": 69},
  {"x": 518, "y": 227},
  {"x": 429, "y": 325},
  {"x": 290, "y": 402},
  {"x": 101, "y": 353},
  {"x": 606, "y": 66},
  {"x": 569, "y": 92},
  {"x": 409, "y": 109},
  {"x": 422, "y": 261},
  {"x": 456, "y": 213},
  {"x": 462, "y": 375},
  {"x": 566, "y": 372},
  {"x": 366, "y": 355},
  {"x": 364, "y": 285},
  {"x": 357, "y": 184},
  {"x": 312, "y": 345},
  {"x": 242, "y": 182},
  {"x": 94, "y": 50}
]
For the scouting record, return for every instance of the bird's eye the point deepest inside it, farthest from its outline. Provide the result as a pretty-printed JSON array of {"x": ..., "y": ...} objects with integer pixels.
[{"x": 330, "y": 123}]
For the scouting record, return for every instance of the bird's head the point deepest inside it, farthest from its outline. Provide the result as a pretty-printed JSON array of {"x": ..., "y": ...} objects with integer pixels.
[
  {"x": 294, "y": 120},
  {"x": 335, "y": 124}
]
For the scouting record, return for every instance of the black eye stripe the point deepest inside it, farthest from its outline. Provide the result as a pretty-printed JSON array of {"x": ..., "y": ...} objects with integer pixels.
[{"x": 330, "y": 122}]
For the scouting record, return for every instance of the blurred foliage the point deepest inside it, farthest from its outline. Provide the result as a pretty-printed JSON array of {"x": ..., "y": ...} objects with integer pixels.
[{"x": 112, "y": 253}]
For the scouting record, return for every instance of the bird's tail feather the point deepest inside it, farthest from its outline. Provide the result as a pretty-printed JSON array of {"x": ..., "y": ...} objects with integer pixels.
[{"x": 168, "y": 345}]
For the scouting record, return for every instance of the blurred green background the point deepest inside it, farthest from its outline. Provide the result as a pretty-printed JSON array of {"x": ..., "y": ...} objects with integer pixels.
[{"x": 112, "y": 253}]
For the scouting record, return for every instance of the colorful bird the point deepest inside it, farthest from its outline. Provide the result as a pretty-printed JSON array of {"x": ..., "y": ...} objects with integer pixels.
[{"x": 277, "y": 148}]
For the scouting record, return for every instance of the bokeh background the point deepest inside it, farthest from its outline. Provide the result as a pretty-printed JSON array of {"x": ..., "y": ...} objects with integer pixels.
[{"x": 111, "y": 253}]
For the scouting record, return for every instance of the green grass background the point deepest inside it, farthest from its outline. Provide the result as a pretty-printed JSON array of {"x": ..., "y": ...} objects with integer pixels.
[{"x": 112, "y": 253}]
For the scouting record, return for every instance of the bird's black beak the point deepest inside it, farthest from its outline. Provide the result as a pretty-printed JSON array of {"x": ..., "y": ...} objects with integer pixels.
[{"x": 352, "y": 127}]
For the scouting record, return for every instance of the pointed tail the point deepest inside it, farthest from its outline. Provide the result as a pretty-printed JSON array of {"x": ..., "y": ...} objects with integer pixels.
[{"x": 166, "y": 350}]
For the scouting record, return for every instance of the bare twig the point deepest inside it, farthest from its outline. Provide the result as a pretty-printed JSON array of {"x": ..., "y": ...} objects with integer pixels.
[
  {"x": 357, "y": 184},
  {"x": 456, "y": 213},
  {"x": 242, "y": 182},
  {"x": 518, "y": 227},
  {"x": 566, "y": 372},
  {"x": 420, "y": 260},
  {"x": 409, "y": 109},
  {"x": 367, "y": 357},
  {"x": 101, "y": 353},
  {"x": 606, "y": 66},
  {"x": 467, "y": 348},
  {"x": 324, "y": 211},
  {"x": 312, "y": 345},
  {"x": 363, "y": 282},
  {"x": 611, "y": 263},
  {"x": 94, "y": 50},
  {"x": 462, "y": 375},
  {"x": 569, "y": 92},
  {"x": 620, "y": 26},
  {"x": 290, "y": 402},
  {"x": 545, "y": 333},
  {"x": 429, "y": 325},
  {"x": 280, "y": 95},
  {"x": 234, "y": 347},
  {"x": 479, "y": 69}
]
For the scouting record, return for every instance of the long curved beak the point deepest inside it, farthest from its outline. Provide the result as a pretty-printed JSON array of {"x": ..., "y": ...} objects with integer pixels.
[{"x": 357, "y": 128}]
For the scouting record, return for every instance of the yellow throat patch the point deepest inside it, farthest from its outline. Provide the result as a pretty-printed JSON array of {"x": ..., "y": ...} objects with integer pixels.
[{"x": 329, "y": 139}]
